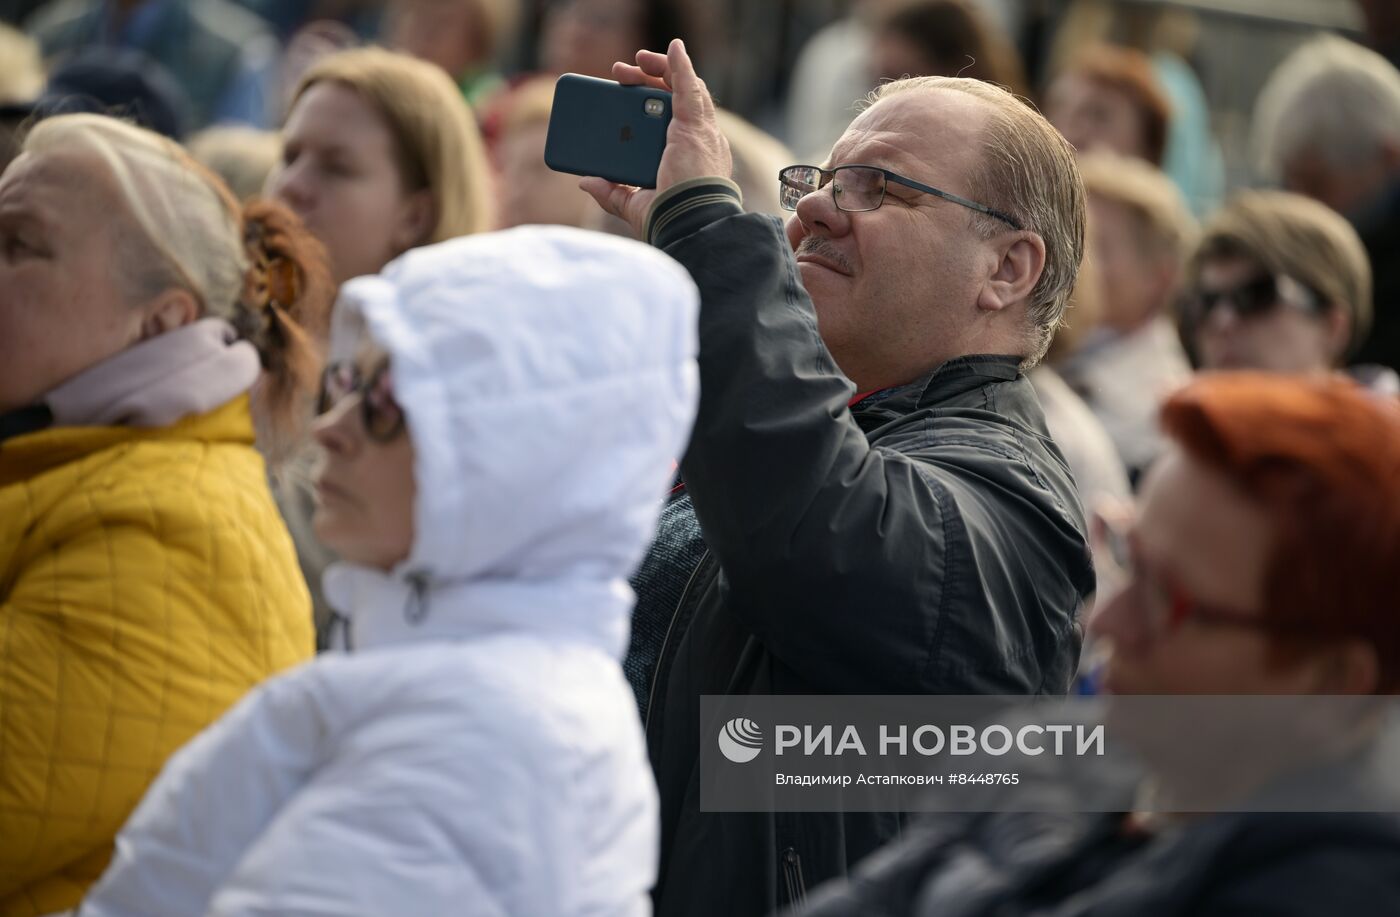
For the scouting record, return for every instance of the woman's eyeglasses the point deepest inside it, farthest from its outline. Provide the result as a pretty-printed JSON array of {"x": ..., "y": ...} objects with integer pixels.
[
  {"x": 383, "y": 418},
  {"x": 1165, "y": 605}
]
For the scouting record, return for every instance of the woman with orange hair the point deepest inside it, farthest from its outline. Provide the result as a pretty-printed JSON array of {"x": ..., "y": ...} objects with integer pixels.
[{"x": 1262, "y": 563}]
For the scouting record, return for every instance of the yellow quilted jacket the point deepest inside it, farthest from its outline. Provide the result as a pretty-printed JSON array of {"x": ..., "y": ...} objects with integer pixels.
[{"x": 146, "y": 583}]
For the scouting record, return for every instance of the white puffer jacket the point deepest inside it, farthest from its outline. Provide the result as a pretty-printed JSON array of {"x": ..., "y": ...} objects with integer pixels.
[{"x": 478, "y": 752}]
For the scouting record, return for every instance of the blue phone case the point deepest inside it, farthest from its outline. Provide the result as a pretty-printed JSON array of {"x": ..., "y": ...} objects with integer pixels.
[{"x": 599, "y": 127}]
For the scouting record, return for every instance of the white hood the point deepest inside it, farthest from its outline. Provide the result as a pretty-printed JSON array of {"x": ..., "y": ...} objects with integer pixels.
[{"x": 549, "y": 381}]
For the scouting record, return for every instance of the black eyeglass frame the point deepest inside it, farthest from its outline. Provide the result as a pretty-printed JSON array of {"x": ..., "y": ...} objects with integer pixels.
[
  {"x": 827, "y": 175},
  {"x": 369, "y": 410}
]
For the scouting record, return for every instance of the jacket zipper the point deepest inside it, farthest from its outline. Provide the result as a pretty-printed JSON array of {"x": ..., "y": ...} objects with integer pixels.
[
  {"x": 792, "y": 875},
  {"x": 661, "y": 655}
]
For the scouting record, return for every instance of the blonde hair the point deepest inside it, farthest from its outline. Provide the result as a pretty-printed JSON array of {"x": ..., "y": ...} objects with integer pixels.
[
  {"x": 1295, "y": 236},
  {"x": 439, "y": 146},
  {"x": 242, "y": 156},
  {"x": 21, "y": 68},
  {"x": 258, "y": 269},
  {"x": 1167, "y": 228},
  {"x": 1028, "y": 172}
]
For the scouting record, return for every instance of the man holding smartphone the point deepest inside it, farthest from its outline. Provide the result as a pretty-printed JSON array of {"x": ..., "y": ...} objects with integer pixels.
[{"x": 871, "y": 502}]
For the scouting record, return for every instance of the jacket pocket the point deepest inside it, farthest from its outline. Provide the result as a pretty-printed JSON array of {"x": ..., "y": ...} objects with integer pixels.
[{"x": 792, "y": 877}]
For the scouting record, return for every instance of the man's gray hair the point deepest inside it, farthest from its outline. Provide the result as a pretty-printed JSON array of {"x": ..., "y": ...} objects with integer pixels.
[
  {"x": 1331, "y": 97},
  {"x": 1029, "y": 172}
]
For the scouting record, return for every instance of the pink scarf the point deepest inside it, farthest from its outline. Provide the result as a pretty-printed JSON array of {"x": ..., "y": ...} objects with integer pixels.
[{"x": 191, "y": 370}]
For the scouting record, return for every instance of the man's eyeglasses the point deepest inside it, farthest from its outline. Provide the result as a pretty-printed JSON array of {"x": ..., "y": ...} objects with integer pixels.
[
  {"x": 1255, "y": 297},
  {"x": 382, "y": 415},
  {"x": 858, "y": 188}
]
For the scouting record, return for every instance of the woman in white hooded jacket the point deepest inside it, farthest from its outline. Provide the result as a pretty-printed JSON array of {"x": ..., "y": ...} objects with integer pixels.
[{"x": 496, "y": 457}]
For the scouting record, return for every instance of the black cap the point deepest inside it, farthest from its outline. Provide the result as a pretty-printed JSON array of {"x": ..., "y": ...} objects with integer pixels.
[{"x": 111, "y": 81}]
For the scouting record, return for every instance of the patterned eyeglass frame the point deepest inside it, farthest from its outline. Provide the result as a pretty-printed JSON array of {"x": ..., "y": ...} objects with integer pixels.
[
  {"x": 364, "y": 387},
  {"x": 1180, "y": 605}
]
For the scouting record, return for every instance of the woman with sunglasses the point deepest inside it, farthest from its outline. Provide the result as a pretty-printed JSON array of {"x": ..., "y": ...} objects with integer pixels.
[
  {"x": 1279, "y": 282},
  {"x": 496, "y": 452}
]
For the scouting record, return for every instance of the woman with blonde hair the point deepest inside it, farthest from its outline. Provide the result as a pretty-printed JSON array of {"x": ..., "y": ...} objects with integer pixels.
[
  {"x": 146, "y": 580},
  {"x": 380, "y": 155}
]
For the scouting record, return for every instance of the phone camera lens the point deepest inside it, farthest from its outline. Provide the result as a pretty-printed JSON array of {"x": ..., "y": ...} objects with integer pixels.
[{"x": 654, "y": 107}]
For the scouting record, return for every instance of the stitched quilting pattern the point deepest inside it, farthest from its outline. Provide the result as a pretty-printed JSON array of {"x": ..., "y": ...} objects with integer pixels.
[{"x": 144, "y": 588}]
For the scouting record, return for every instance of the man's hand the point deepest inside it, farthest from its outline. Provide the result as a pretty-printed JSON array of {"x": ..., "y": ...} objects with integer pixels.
[{"x": 695, "y": 148}]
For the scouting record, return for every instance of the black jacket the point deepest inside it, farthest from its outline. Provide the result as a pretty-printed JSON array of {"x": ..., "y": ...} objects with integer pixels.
[
  {"x": 928, "y": 541},
  {"x": 1258, "y": 860},
  {"x": 1315, "y": 864}
]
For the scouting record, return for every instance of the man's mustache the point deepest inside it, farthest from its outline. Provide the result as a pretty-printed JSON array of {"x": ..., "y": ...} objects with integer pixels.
[{"x": 822, "y": 248}]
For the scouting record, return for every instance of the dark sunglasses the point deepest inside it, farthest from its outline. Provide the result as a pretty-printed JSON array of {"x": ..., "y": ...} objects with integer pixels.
[
  {"x": 383, "y": 418},
  {"x": 1256, "y": 297}
]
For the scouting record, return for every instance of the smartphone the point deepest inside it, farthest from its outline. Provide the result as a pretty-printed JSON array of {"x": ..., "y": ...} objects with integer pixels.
[{"x": 599, "y": 127}]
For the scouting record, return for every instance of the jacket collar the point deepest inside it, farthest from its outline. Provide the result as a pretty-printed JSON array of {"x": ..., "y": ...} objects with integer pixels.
[
  {"x": 955, "y": 377},
  {"x": 20, "y": 421},
  {"x": 376, "y": 609},
  {"x": 25, "y": 455}
]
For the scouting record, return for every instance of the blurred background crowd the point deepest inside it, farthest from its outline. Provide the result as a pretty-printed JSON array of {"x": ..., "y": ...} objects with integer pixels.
[{"x": 1176, "y": 105}]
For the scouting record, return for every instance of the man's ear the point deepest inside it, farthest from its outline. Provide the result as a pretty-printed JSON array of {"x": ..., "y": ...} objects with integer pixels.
[
  {"x": 172, "y": 309},
  {"x": 1020, "y": 262},
  {"x": 416, "y": 217}
]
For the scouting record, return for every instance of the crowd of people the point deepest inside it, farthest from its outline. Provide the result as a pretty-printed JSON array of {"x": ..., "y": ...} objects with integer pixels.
[{"x": 377, "y": 505}]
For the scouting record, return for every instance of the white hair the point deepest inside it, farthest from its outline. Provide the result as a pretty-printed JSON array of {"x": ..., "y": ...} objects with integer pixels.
[
  {"x": 1331, "y": 97},
  {"x": 177, "y": 226},
  {"x": 182, "y": 215}
]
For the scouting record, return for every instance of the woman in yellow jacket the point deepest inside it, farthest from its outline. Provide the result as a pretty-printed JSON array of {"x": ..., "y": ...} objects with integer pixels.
[{"x": 146, "y": 579}]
